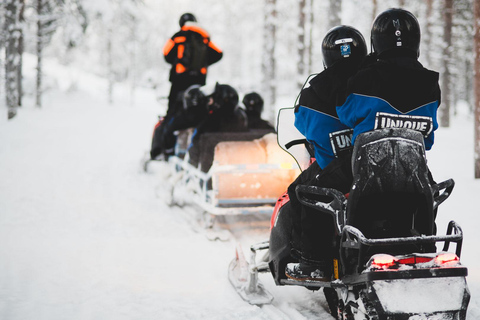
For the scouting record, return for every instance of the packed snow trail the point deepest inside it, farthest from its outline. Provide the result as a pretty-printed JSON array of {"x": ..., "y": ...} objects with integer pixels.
[{"x": 83, "y": 235}]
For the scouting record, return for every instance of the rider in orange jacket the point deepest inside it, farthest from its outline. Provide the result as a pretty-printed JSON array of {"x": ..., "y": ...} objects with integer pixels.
[{"x": 190, "y": 52}]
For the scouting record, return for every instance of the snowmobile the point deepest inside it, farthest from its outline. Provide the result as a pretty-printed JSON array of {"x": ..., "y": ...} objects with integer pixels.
[{"x": 386, "y": 266}]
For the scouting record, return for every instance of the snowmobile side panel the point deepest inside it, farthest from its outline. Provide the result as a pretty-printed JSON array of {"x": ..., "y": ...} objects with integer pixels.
[{"x": 280, "y": 244}]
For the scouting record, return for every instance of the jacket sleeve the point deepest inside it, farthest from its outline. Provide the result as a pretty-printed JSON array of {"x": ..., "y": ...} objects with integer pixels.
[
  {"x": 169, "y": 51},
  {"x": 214, "y": 53}
]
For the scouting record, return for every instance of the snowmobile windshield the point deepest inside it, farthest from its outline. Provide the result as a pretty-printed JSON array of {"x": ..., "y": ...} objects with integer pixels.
[{"x": 290, "y": 139}]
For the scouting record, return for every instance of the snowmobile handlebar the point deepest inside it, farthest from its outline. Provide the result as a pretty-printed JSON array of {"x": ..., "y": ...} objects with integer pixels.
[
  {"x": 447, "y": 186},
  {"x": 327, "y": 200}
]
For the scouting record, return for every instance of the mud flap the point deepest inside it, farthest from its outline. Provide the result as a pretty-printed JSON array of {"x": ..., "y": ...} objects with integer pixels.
[{"x": 244, "y": 279}]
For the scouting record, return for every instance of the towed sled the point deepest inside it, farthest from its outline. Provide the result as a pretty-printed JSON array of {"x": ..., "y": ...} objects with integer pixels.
[
  {"x": 236, "y": 173},
  {"x": 387, "y": 265}
]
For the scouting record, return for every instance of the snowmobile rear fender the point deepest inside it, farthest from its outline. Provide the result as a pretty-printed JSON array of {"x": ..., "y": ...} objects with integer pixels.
[{"x": 460, "y": 271}]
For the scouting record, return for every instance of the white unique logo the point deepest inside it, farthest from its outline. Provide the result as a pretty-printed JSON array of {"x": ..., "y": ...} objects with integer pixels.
[
  {"x": 344, "y": 141},
  {"x": 418, "y": 123},
  {"x": 341, "y": 141}
]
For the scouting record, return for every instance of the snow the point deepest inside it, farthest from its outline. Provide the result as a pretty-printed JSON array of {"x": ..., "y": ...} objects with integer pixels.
[{"x": 85, "y": 234}]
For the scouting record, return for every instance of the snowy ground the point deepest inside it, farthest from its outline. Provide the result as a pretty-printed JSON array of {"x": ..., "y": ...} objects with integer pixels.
[{"x": 84, "y": 234}]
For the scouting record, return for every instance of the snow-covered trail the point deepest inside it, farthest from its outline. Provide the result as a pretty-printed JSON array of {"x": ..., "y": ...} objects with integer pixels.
[{"x": 84, "y": 236}]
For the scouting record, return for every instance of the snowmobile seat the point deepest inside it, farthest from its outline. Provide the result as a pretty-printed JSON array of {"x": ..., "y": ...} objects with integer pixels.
[{"x": 391, "y": 195}]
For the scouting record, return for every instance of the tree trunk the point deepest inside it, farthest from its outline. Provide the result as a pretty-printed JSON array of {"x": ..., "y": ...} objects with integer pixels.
[
  {"x": 110, "y": 76},
  {"x": 301, "y": 43},
  {"x": 269, "y": 61},
  {"x": 477, "y": 87},
  {"x": 374, "y": 9},
  {"x": 133, "y": 58},
  {"x": 427, "y": 34},
  {"x": 11, "y": 56},
  {"x": 310, "y": 37},
  {"x": 334, "y": 13},
  {"x": 21, "y": 46},
  {"x": 38, "y": 93},
  {"x": 2, "y": 48},
  {"x": 447, "y": 53}
]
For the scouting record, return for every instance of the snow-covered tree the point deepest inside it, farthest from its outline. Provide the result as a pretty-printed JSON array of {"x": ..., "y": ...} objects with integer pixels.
[
  {"x": 2, "y": 52},
  {"x": 427, "y": 30},
  {"x": 477, "y": 87},
  {"x": 462, "y": 59},
  {"x": 269, "y": 64},
  {"x": 311, "y": 19},
  {"x": 13, "y": 48},
  {"x": 334, "y": 13},
  {"x": 374, "y": 9},
  {"x": 301, "y": 44},
  {"x": 447, "y": 60}
]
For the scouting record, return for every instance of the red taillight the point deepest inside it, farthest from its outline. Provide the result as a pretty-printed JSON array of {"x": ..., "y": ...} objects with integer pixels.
[
  {"x": 414, "y": 260},
  {"x": 382, "y": 261},
  {"x": 446, "y": 258}
]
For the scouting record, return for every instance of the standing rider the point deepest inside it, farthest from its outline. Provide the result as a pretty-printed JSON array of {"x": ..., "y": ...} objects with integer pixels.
[{"x": 190, "y": 51}]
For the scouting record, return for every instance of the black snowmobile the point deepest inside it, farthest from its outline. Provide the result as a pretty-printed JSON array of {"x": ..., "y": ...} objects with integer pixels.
[{"x": 386, "y": 264}]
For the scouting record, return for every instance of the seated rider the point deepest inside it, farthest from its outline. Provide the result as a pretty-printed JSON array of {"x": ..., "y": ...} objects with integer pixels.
[
  {"x": 395, "y": 90},
  {"x": 188, "y": 113},
  {"x": 253, "y": 103},
  {"x": 344, "y": 50},
  {"x": 224, "y": 115}
]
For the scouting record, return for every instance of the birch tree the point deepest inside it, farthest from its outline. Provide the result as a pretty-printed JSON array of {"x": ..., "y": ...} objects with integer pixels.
[
  {"x": 12, "y": 55},
  {"x": 269, "y": 62},
  {"x": 447, "y": 53},
  {"x": 2, "y": 51},
  {"x": 301, "y": 42},
  {"x": 462, "y": 35},
  {"x": 47, "y": 16},
  {"x": 311, "y": 19},
  {"x": 427, "y": 34},
  {"x": 334, "y": 13},
  {"x": 477, "y": 87},
  {"x": 51, "y": 16}
]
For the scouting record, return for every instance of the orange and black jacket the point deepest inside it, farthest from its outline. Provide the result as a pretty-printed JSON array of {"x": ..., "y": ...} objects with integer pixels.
[{"x": 173, "y": 52}]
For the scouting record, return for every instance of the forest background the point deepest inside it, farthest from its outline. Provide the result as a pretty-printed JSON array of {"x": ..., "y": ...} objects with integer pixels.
[{"x": 270, "y": 46}]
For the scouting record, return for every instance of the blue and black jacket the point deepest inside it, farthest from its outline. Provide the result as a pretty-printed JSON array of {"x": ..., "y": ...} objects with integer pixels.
[
  {"x": 316, "y": 117},
  {"x": 392, "y": 92}
]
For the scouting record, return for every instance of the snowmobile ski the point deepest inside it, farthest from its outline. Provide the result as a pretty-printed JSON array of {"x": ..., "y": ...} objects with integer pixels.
[{"x": 244, "y": 276}]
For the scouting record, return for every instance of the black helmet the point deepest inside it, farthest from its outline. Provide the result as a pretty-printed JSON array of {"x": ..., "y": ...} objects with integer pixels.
[
  {"x": 225, "y": 98},
  {"x": 193, "y": 97},
  {"x": 187, "y": 17},
  {"x": 396, "y": 29},
  {"x": 253, "y": 102},
  {"x": 343, "y": 42}
]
